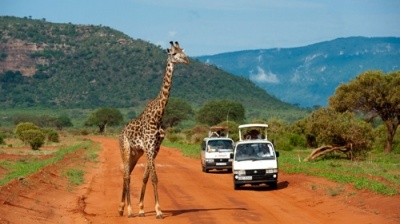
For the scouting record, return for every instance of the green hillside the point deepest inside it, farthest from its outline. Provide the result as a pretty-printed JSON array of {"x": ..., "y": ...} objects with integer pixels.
[{"x": 52, "y": 65}]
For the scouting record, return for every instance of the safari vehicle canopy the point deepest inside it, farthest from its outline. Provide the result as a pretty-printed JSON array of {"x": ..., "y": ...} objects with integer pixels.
[{"x": 253, "y": 131}]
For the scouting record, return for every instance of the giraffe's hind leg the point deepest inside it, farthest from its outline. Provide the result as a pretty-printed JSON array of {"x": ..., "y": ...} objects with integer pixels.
[{"x": 129, "y": 163}]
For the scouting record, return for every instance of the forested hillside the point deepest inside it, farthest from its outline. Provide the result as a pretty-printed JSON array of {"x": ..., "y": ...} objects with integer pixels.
[{"x": 43, "y": 64}]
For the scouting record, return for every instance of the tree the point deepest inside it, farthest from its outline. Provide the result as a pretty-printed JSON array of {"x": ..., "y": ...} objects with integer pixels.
[
  {"x": 216, "y": 111},
  {"x": 339, "y": 132},
  {"x": 375, "y": 95},
  {"x": 62, "y": 121},
  {"x": 103, "y": 117},
  {"x": 176, "y": 111}
]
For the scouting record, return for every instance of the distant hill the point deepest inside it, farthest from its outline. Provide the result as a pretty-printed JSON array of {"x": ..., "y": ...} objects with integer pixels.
[
  {"x": 51, "y": 65},
  {"x": 308, "y": 76}
]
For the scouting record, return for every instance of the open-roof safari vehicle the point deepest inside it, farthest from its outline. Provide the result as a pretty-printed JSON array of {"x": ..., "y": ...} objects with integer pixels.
[
  {"x": 217, "y": 149},
  {"x": 255, "y": 160}
]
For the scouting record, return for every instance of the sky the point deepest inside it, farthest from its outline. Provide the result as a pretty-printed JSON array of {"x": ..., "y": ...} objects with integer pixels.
[{"x": 209, "y": 27}]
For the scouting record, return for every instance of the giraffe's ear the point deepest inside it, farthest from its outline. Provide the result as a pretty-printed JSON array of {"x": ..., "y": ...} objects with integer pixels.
[{"x": 168, "y": 50}]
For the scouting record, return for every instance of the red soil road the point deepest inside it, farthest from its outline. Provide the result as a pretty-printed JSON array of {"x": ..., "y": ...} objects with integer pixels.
[{"x": 187, "y": 195}]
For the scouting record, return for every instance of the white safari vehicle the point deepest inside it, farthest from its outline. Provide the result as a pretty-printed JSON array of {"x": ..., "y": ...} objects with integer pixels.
[
  {"x": 216, "y": 150},
  {"x": 255, "y": 160}
]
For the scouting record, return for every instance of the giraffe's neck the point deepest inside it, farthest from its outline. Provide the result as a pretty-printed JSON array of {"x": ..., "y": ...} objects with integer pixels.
[{"x": 166, "y": 85}]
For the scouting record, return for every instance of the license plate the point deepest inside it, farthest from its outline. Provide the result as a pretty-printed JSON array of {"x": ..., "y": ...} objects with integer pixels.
[
  {"x": 221, "y": 164},
  {"x": 245, "y": 178}
]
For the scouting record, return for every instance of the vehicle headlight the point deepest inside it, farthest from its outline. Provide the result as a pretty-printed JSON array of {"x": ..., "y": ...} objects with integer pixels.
[
  {"x": 240, "y": 172},
  {"x": 271, "y": 171},
  {"x": 209, "y": 160}
]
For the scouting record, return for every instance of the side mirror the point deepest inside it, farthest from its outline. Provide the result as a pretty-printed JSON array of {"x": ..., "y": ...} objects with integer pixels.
[
  {"x": 231, "y": 156},
  {"x": 277, "y": 154}
]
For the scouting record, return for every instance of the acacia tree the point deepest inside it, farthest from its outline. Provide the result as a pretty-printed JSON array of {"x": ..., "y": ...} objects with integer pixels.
[
  {"x": 340, "y": 132},
  {"x": 103, "y": 117},
  {"x": 375, "y": 95},
  {"x": 62, "y": 121},
  {"x": 176, "y": 111},
  {"x": 217, "y": 111}
]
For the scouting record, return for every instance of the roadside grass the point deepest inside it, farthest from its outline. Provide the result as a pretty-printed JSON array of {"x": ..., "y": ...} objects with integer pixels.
[
  {"x": 75, "y": 176},
  {"x": 188, "y": 150},
  {"x": 379, "y": 172},
  {"x": 26, "y": 166}
]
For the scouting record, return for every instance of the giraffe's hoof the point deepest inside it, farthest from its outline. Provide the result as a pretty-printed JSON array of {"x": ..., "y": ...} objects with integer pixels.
[
  {"x": 130, "y": 216},
  {"x": 160, "y": 216},
  {"x": 141, "y": 215},
  {"x": 121, "y": 213}
]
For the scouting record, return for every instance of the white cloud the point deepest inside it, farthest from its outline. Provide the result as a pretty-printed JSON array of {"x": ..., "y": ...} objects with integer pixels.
[{"x": 263, "y": 77}]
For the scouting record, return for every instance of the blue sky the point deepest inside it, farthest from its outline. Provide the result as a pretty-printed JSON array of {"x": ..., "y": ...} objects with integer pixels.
[{"x": 209, "y": 27}]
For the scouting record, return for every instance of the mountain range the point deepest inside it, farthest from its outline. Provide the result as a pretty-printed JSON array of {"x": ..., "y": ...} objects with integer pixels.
[{"x": 307, "y": 76}]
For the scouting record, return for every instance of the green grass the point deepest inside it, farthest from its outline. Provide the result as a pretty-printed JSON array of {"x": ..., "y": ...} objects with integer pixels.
[
  {"x": 75, "y": 176},
  {"x": 379, "y": 173},
  {"x": 188, "y": 150},
  {"x": 25, "y": 167}
]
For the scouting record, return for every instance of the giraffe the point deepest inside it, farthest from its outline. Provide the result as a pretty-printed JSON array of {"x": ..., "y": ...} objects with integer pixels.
[{"x": 144, "y": 135}]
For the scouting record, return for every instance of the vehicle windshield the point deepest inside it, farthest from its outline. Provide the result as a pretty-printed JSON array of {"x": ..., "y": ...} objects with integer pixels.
[
  {"x": 220, "y": 145},
  {"x": 254, "y": 151}
]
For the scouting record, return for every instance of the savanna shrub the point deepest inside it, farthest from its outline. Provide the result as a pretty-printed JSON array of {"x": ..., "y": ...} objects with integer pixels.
[
  {"x": 35, "y": 138},
  {"x": 2, "y": 142},
  {"x": 53, "y": 136},
  {"x": 173, "y": 137},
  {"x": 297, "y": 140},
  {"x": 284, "y": 145},
  {"x": 84, "y": 132},
  {"x": 22, "y": 127}
]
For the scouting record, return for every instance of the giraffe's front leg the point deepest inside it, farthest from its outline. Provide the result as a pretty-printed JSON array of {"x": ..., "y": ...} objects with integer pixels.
[
  {"x": 159, "y": 214},
  {"x": 154, "y": 181}
]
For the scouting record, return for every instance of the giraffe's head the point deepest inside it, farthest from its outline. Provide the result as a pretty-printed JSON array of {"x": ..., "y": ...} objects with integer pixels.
[{"x": 177, "y": 54}]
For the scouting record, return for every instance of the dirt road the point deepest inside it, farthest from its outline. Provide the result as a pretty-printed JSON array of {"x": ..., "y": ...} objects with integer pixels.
[{"x": 187, "y": 195}]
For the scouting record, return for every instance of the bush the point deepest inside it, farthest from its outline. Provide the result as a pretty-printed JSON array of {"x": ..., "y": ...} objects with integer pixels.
[
  {"x": 22, "y": 127},
  {"x": 35, "y": 138},
  {"x": 297, "y": 140},
  {"x": 53, "y": 136},
  {"x": 84, "y": 132},
  {"x": 2, "y": 142},
  {"x": 283, "y": 145},
  {"x": 173, "y": 137}
]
